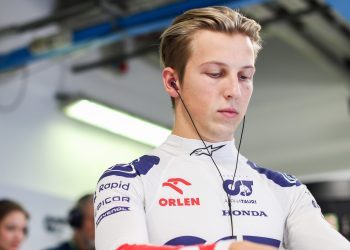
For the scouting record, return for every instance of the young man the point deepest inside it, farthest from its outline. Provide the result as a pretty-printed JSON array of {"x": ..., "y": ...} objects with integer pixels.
[
  {"x": 195, "y": 189},
  {"x": 81, "y": 219}
]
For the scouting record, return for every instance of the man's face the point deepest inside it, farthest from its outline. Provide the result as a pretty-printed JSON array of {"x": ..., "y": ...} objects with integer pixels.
[
  {"x": 88, "y": 226},
  {"x": 217, "y": 85}
]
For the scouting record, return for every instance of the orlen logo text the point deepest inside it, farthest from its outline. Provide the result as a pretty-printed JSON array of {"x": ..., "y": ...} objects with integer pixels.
[
  {"x": 241, "y": 187},
  {"x": 178, "y": 184}
]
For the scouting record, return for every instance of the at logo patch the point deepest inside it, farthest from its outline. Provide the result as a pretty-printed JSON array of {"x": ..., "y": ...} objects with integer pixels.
[{"x": 241, "y": 187}]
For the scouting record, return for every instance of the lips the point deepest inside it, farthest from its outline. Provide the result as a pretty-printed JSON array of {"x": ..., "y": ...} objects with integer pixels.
[
  {"x": 15, "y": 245},
  {"x": 228, "y": 112}
]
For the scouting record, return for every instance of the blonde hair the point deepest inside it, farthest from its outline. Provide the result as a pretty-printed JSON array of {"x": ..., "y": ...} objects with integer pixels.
[{"x": 175, "y": 40}]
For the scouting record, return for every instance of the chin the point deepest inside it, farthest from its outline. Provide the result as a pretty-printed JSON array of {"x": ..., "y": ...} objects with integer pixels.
[
  {"x": 228, "y": 138},
  {"x": 227, "y": 134},
  {"x": 221, "y": 136},
  {"x": 12, "y": 248}
]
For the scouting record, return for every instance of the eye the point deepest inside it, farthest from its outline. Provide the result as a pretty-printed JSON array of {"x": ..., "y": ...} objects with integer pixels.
[
  {"x": 25, "y": 231},
  {"x": 10, "y": 228},
  {"x": 215, "y": 74},
  {"x": 246, "y": 74},
  {"x": 245, "y": 77}
]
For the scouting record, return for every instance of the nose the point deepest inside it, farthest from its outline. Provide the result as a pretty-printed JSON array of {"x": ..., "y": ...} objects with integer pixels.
[
  {"x": 17, "y": 239},
  {"x": 232, "y": 88},
  {"x": 19, "y": 235}
]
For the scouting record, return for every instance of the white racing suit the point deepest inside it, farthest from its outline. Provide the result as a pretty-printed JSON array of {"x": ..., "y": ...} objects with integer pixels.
[{"x": 175, "y": 196}]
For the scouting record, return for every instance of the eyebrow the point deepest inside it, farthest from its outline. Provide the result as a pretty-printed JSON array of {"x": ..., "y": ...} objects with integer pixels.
[{"x": 224, "y": 64}]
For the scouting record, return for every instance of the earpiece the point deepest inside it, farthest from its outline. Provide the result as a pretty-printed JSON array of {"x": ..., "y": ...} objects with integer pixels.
[
  {"x": 76, "y": 215},
  {"x": 173, "y": 84},
  {"x": 75, "y": 218}
]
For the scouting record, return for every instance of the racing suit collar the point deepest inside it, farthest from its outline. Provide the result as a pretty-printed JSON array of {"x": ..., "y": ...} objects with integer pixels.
[{"x": 195, "y": 148}]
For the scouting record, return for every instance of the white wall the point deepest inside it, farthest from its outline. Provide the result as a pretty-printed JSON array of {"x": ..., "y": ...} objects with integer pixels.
[{"x": 41, "y": 149}]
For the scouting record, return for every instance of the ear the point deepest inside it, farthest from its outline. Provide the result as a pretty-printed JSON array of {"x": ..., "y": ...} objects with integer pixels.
[{"x": 169, "y": 77}]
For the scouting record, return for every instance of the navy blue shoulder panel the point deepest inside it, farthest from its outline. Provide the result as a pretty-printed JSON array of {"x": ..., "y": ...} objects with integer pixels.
[
  {"x": 281, "y": 179},
  {"x": 140, "y": 166}
]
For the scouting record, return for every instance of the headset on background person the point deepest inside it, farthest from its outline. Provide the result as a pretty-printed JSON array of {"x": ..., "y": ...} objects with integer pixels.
[{"x": 76, "y": 214}]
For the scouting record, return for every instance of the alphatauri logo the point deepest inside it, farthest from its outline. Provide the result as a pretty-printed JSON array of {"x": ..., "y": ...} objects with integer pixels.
[
  {"x": 178, "y": 185},
  {"x": 241, "y": 187}
]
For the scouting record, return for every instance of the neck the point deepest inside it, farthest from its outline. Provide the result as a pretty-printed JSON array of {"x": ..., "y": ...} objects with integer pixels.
[
  {"x": 187, "y": 126},
  {"x": 184, "y": 127}
]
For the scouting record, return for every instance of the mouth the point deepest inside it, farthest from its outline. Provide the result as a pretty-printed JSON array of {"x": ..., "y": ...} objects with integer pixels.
[
  {"x": 15, "y": 246},
  {"x": 228, "y": 112}
]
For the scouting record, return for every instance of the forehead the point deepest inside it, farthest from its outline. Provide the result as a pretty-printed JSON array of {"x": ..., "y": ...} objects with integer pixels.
[
  {"x": 88, "y": 207},
  {"x": 14, "y": 216},
  {"x": 233, "y": 49}
]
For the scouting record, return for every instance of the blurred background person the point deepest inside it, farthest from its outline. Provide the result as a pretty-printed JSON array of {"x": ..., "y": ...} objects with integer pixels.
[
  {"x": 81, "y": 219},
  {"x": 13, "y": 225}
]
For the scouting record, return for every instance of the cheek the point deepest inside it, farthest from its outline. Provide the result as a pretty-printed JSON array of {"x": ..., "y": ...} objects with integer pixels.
[
  {"x": 89, "y": 227},
  {"x": 5, "y": 236},
  {"x": 204, "y": 102},
  {"x": 248, "y": 91},
  {"x": 249, "y": 87}
]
